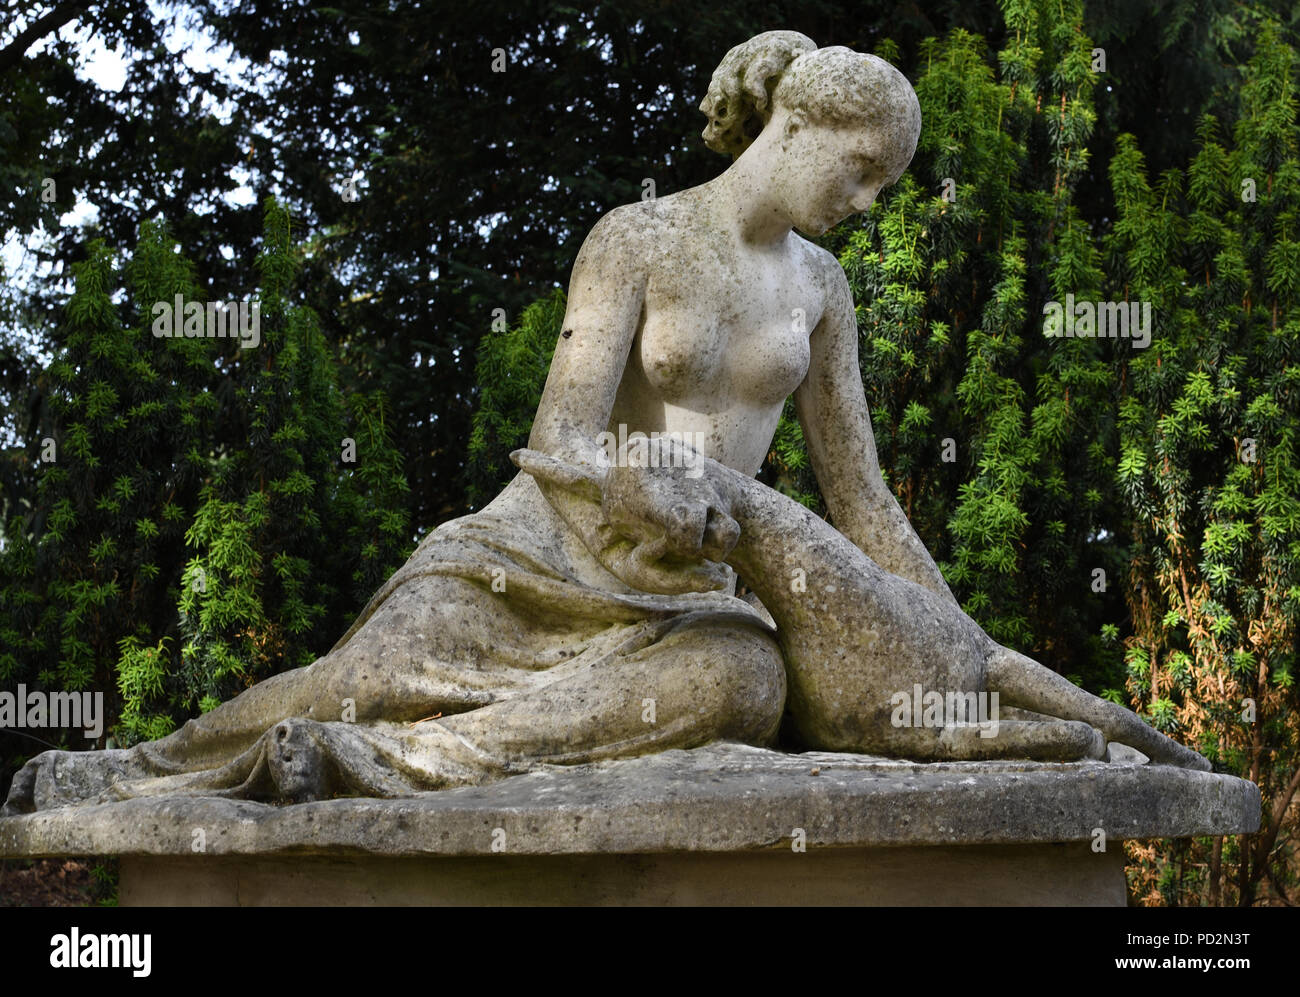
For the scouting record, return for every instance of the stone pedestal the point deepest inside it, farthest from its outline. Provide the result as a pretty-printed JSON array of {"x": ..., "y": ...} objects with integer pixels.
[
  {"x": 725, "y": 824},
  {"x": 975, "y": 875}
]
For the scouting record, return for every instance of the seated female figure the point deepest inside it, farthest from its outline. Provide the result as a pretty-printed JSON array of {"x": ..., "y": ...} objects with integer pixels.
[{"x": 588, "y": 612}]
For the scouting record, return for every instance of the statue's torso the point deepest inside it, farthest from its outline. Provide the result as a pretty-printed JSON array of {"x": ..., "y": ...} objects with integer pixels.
[{"x": 723, "y": 335}]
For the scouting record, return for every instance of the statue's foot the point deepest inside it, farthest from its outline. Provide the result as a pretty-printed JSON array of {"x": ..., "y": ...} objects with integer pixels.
[
  {"x": 22, "y": 791},
  {"x": 58, "y": 778},
  {"x": 297, "y": 762}
]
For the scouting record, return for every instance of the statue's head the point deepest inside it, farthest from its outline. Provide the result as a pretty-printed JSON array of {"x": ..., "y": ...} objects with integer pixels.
[{"x": 829, "y": 126}]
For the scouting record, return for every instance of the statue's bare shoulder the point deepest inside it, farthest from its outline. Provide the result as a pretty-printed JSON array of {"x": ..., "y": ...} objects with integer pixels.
[
  {"x": 672, "y": 239},
  {"x": 824, "y": 269}
]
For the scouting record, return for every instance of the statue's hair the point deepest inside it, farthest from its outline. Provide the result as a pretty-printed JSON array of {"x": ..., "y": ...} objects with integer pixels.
[{"x": 832, "y": 85}]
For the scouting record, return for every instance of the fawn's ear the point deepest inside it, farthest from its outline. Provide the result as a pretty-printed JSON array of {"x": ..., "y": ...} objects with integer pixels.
[{"x": 583, "y": 482}]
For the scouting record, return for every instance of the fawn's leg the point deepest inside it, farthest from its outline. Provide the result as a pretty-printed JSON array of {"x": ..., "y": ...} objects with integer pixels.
[
  {"x": 855, "y": 635},
  {"x": 1024, "y": 682}
]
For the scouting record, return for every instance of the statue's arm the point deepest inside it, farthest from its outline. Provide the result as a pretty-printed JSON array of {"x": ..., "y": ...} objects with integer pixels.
[
  {"x": 832, "y": 409},
  {"x": 606, "y": 292}
]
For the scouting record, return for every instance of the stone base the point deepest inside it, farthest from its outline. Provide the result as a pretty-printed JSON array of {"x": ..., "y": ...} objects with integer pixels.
[
  {"x": 723, "y": 824},
  {"x": 993, "y": 875}
]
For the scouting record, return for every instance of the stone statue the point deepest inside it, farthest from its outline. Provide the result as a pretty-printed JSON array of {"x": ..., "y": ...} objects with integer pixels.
[{"x": 589, "y": 611}]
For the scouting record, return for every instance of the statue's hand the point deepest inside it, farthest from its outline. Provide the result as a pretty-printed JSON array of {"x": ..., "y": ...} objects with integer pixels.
[
  {"x": 666, "y": 520},
  {"x": 680, "y": 528}
]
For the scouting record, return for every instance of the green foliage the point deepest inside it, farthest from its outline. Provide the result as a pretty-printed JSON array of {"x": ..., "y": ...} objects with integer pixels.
[
  {"x": 104, "y": 876},
  {"x": 512, "y": 366},
  {"x": 198, "y": 527},
  {"x": 993, "y": 438},
  {"x": 787, "y": 468},
  {"x": 1209, "y": 426}
]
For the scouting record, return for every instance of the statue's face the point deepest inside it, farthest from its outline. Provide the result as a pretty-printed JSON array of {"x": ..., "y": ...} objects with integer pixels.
[{"x": 829, "y": 172}]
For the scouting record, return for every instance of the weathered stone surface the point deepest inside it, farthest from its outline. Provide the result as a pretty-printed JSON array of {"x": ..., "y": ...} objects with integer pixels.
[
  {"x": 723, "y": 798},
  {"x": 589, "y": 611}
]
